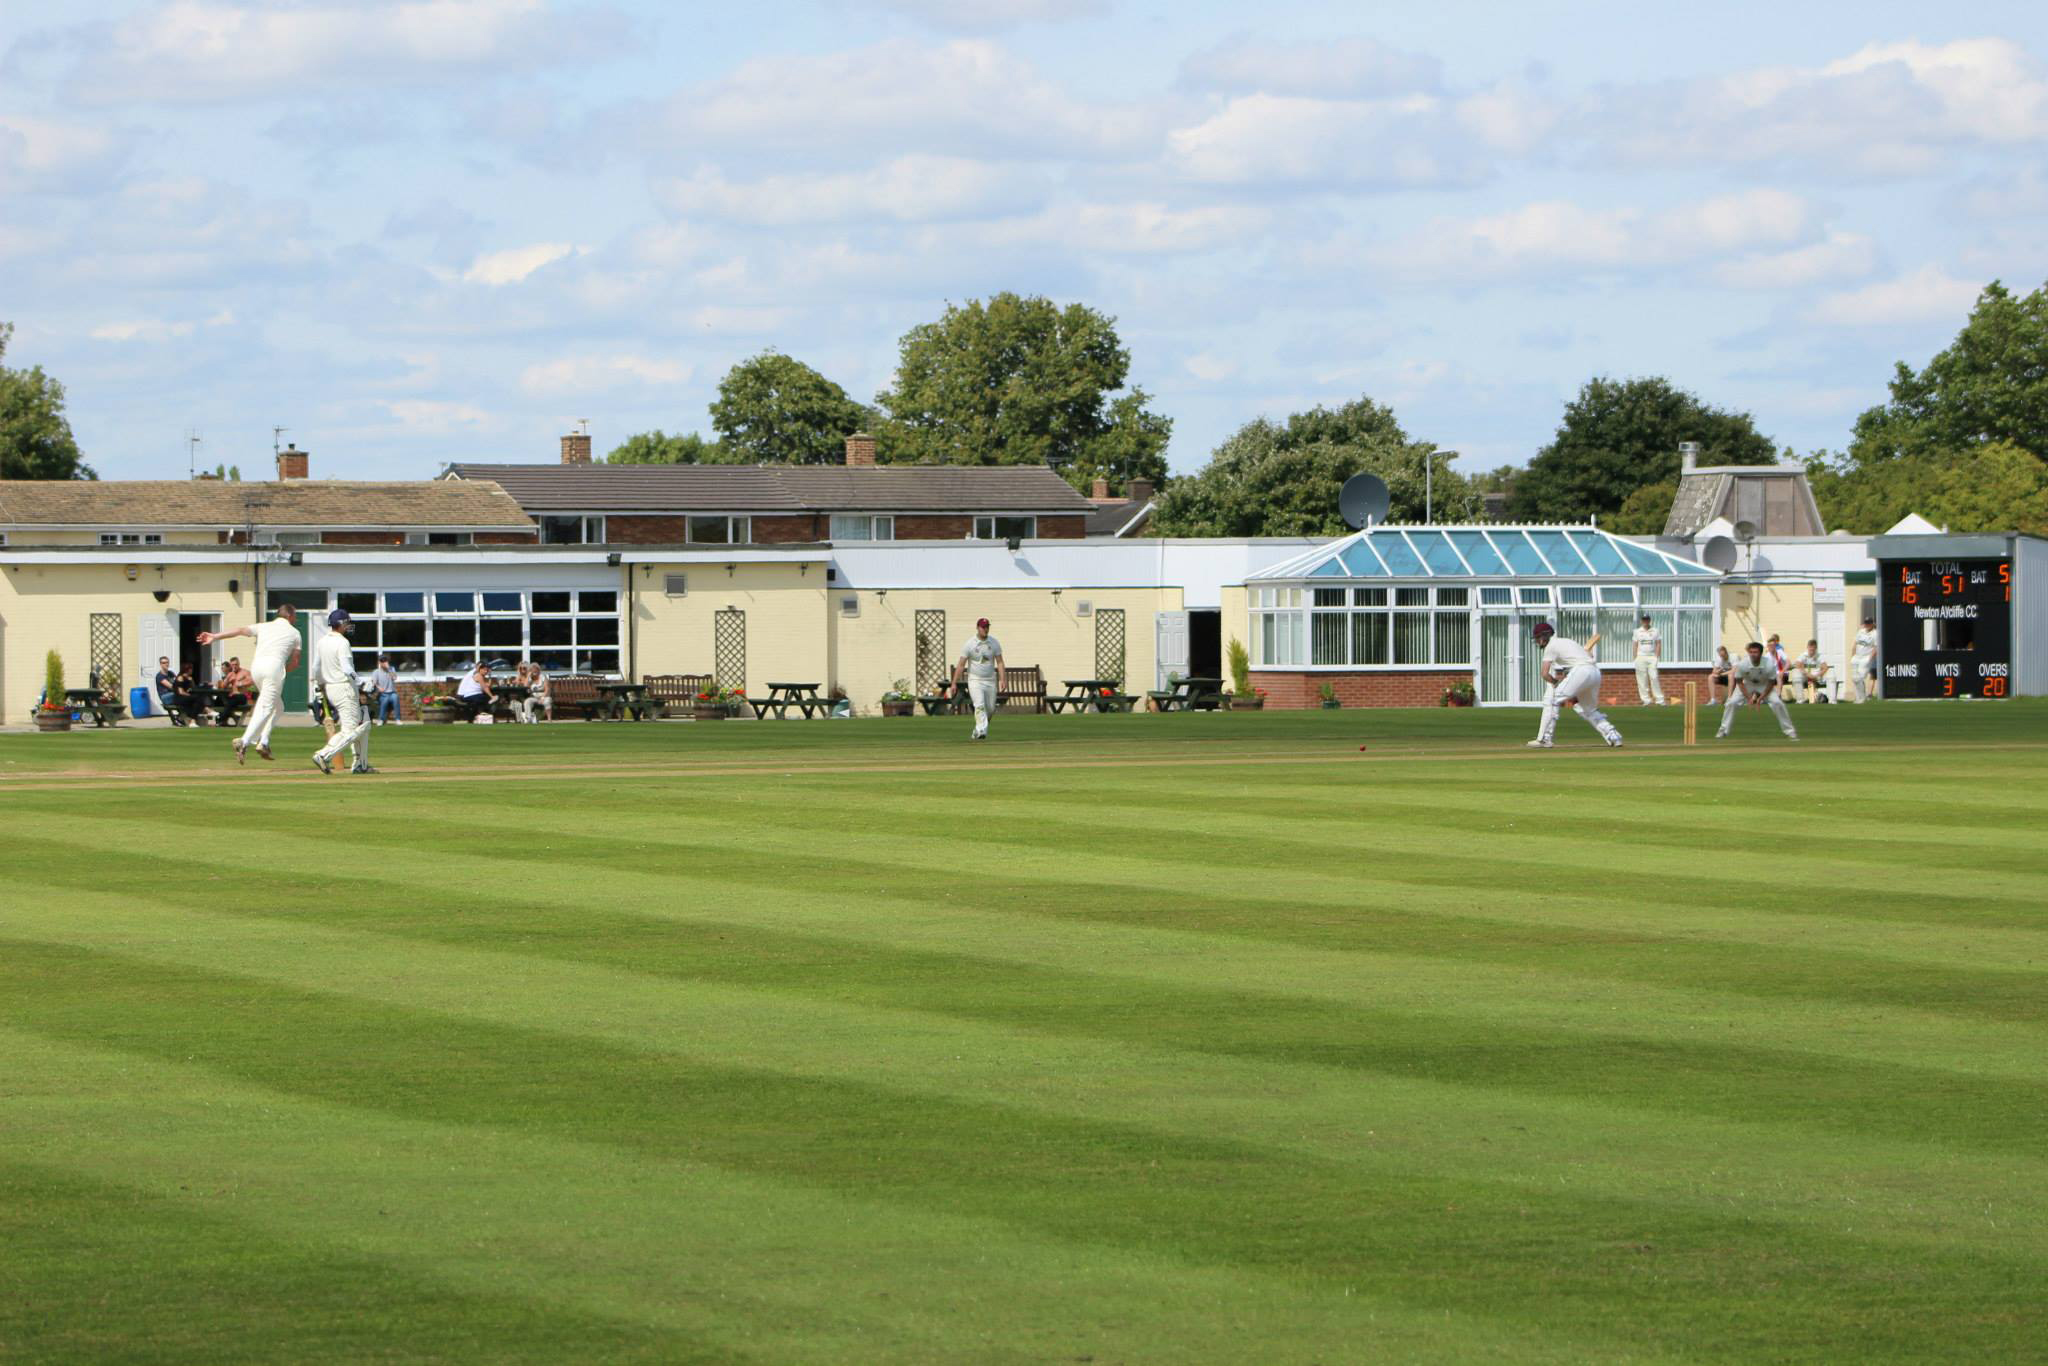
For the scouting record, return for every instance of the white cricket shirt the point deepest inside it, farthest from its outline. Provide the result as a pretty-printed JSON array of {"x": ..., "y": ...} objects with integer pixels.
[
  {"x": 1564, "y": 654},
  {"x": 1758, "y": 678},
  {"x": 333, "y": 662},
  {"x": 981, "y": 656},
  {"x": 1647, "y": 642},
  {"x": 276, "y": 639},
  {"x": 1866, "y": 643}
]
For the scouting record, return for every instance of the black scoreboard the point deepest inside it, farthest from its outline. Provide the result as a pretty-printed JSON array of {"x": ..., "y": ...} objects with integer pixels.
[{"x": 1944, "y": 628}]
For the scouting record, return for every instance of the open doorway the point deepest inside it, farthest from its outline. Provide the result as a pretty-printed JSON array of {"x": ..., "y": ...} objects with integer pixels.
[
  {"x": 190, "y": 624},
  {"x": 1205, "y": 644}
]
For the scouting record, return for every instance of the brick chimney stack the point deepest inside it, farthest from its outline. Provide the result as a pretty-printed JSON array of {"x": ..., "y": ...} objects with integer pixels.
[
  {"x": 576, "y": 448},
  {"x": 1100, "y": 493},
  {"x": 291, "y": 464},
  {"x": 860, "y": 450},
  {"x": 1139, "y": 491}
]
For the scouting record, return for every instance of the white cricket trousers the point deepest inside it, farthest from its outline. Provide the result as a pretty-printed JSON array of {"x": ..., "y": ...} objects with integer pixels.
[
  {"x": 1647, "y": 686},
  {"x": 262, "y": 716},
  {"x": 1771, "y": 698},
  {"x": 982, "y": 693},
  {"x": 1581, "y": 686},
  {"x": 1863, "y": 668},
  {"x": 353, "y": 726}
]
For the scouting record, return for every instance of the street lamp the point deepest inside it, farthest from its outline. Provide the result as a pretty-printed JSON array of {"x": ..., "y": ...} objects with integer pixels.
[{"x": 1428, "y": 490}]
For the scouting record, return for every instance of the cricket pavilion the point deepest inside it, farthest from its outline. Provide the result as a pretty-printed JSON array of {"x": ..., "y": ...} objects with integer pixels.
[{"x": 853, "y": 577}]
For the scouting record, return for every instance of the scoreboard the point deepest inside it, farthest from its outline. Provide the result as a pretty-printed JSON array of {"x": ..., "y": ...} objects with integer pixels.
[{"x": 1945, "y": 628}]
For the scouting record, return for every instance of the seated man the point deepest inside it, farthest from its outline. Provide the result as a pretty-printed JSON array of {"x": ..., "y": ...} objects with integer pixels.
[
  {"x": 188, "y": 696},
  {"x": 1810, "y": 673},
  {"x": 167, "y": 691},
  {"x": 1721, "y": 675},
  {"x": 474, "y": 694}
]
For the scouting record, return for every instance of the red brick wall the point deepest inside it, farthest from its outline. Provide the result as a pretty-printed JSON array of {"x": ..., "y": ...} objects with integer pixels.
[
  {"x": 362, "y": 538},
  {"x": 1062, "y": 528},
  {"x": 930, "y": 528},
  {"x": 804, "y": 527},
  {"x": 1425, "y": 687},
  {"x": 507, "y": 537},
  {"x": 621, "y": 529}
]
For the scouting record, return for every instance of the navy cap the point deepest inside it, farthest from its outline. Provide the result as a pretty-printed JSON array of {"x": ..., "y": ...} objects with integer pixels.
[{"x": 337, "y": 616}]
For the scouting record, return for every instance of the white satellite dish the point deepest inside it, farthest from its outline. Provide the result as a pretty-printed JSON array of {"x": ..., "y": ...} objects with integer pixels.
[
  {"x": 1745, "y": 532},
  {"x": 1718, "y": 554}
]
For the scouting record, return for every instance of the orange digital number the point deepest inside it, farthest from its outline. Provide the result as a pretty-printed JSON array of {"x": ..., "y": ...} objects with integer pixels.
[
  {"x": 1994, "y": 687},
  {"x": 1948, "y": 686},
  {"x": 1908, "y": 595}
]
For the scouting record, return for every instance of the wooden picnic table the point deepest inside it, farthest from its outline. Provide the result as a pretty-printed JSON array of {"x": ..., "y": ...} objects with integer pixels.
[
  {"x": 782, "y": 696},
  {"x": 1090, "y": 694},
  {"x": 1190, "y": 694},
  {"x": 622, "y": 698},
  {"x": 947, "y": 701},
  {"x": 105, "y": 712},
  {"x": 224, "y": 703}
]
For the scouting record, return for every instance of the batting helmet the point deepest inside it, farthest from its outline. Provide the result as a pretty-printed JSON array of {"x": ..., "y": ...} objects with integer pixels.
[{"x": 1543, "y": 630}]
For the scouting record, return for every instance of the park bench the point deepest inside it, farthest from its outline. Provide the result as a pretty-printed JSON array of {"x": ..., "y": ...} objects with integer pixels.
[
  {"x": 676, "y": 694},
  {"x": 1020, "y": 688},
  {"x": 577, "y": 692}
]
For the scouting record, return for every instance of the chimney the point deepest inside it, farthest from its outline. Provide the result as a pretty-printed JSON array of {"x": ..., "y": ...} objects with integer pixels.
[
  {"x": 1139, "y": 491},
  {"x": 1688, "y": 456},
  {"x": 1101, "y": 491},
  {"x": 576, "y": 448},
  {"x": 860, "y": 450},
  {"x": 291, "y": 464}
]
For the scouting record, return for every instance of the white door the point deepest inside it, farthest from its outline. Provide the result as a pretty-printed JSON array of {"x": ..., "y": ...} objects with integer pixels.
[
  {"x": 1173, "y": 646},
  {"x": 1827, "y": 629},
  {"x": 157, "y": 638}
]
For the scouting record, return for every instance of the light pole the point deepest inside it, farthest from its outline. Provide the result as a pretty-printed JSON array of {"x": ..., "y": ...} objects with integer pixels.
[{"x": 1428, "y": 484}]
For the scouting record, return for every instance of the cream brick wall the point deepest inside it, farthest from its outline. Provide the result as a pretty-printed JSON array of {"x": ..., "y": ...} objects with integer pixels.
[
  {"x": 1237, "y": 624},
  {"x": 45, "y": 607},
  {"x": 1753, "y": 611},
  {"x": 879, "y": 646},
  {"x": 788, "y": 639}
]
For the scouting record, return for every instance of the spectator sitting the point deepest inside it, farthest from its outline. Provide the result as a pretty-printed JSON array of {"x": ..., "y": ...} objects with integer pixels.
[
  {"x": 538, "y": 704},
  {"x": 236, "y": 679},
  {"x": 1779, "y": 660},
  {"x": 167, "y": 691},
  {"x": 384, "y": 684},
  {"x": 1810, "y": 672},
  {"x": 1721, "y": 675},
  {"x": 474, "y": 695}
]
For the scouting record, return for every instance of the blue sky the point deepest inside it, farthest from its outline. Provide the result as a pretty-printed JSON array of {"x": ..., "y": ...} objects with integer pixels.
[{"x": 447, "y": 229}]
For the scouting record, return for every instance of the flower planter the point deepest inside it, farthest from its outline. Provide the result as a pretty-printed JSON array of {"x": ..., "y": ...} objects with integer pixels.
[
  {"x": 709, "y": 711},
  {"x": 53, "y": 720},
  {"x": 1331, "y": 704},
  {"x": 1247, "y": 703},
  {"x": 907, "y": 707},
  {"x": 1455, "y": 701},
  {"x": 438, "y": 716}
]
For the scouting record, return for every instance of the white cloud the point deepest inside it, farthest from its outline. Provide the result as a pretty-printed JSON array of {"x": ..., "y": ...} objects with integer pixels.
[
  {"x": 1354, "y": 68},
  {"x": 1929, "y": 294},
  {"x": 1139, "y": 229},
  {"x": 961, "y": 98},
  {"x": 1410, "y": 140},
  {"x": 991, "y": 16},
  {"x": 1841, "y": 256},
  {"x": 513, "y": 264},
  {"x": 142, "y": 330},
  {"x": 599, "y": 374},
  {"x": 1211, "y": 368},
  {"x": 908, "y": 189},
  {"x": 202, "y": 50},
  {"x": 42, "y": 154},
  {"x": 1556, "y": 237},
  {"x": 428, "y": 415}
]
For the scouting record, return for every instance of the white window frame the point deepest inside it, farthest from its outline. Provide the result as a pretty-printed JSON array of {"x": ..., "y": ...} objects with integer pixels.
[
  {"x": 989, "y": 520},
  {"x": 738, "y": 530},
  {"x": 592, "y": 527},
  {"x": 880, "y": 526}
]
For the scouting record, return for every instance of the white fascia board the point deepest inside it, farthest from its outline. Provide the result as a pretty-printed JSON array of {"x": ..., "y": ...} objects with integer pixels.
[{"x": 813, "y": 553}]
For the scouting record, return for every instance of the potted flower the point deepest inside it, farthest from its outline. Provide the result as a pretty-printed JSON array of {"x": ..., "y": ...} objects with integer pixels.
[
  {"x": 1459, "y": 694},
  {"x": 1328, "y": 694},
  {"x": 899, "y": 700},
  {"x": 1243, "y": 696},
  {"x": 53, "y": 712},
  {"x": 717, "y": 701},
  {"x": 438, "y": 709}
]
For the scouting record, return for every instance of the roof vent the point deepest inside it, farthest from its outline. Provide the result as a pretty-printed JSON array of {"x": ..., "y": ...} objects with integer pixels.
[
  {"x": 849, "y": 606},
  {"x": 675, "y": 585}
]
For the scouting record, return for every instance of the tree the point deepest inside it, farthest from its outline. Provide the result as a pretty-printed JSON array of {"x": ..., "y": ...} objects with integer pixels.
[
  {"x": 35, "y": 439},
  {"x": 659, "y": 448},
  {"x": 1989, "y": 385},
  {"x": 1020, "y": 381},
  {"x": 1272, "y": 480},
  {"x": 1645, "y": 511},
  {"x": 773, "y": 410},
  {"x": 1993, "y": 487},
  {"x": 1620, "y": 435}
]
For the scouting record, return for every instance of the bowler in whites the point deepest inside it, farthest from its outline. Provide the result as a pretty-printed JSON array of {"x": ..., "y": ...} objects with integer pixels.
[
  {"x": 276, "y": 654},
  {"x": 1756, "y": 679},
  {"x": 1570, "y": 670},
  {"x": 981, "y": 665}
]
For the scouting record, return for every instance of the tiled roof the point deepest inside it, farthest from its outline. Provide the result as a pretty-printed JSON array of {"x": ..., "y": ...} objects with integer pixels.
[
  {"x": 1699, "y": 498},
  {"x": 1110, "y": 518},
  {"x": 781, "y": 488},
  {"x": 231, "y": 503}
]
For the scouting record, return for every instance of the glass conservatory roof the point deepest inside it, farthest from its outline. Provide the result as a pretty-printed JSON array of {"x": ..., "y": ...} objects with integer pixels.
[{"x": 1484, "y": 552}]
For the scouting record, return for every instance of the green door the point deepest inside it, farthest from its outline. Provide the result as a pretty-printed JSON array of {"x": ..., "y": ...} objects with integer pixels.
[{"x": 296, "y": 693}]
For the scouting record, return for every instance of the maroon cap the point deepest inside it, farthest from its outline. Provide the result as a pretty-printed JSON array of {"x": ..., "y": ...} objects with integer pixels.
[{"x": 979, "y": 624}]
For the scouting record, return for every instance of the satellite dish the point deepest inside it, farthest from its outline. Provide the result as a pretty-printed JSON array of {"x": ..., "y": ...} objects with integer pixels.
[
  {"x": 1363, "y": 501},
  {"x": 1718, "y": 553},
  {"x": 1745, "y": 532}
]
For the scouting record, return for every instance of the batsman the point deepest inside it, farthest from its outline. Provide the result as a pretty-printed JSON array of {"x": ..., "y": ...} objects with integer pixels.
[{"x": 334, "y": 669}]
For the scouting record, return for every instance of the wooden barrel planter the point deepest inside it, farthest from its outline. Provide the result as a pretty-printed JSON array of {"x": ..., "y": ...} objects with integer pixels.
[
  {"x": 439, "y": 716},
  {"x": 52, "y": 720}
]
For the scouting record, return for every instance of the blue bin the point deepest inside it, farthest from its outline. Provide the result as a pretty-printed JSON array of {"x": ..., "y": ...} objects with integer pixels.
[{"x": 140, "y": 702}]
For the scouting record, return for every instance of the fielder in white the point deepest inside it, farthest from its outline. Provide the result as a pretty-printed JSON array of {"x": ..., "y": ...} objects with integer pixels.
[
  {"x": 1863, "y": 660},
  {"x": 1649, "y": 650},
  {"x": 1572, "y": 673},
  {"x": 334, "y": 670},
  {"x": 276, "y": 654},
  {"x": 980, "y": 664},
  {"x": 1756, "y": 679}
]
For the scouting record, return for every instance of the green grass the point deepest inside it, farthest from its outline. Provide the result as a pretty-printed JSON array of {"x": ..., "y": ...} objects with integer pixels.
[{"x": 1189, "y": 1038}]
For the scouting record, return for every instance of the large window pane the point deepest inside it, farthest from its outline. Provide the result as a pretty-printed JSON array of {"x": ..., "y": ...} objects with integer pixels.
[
  {"x": 850, "y": 528},
  {"x": 404, "y": 635},
  {"x": 503, "y": 602},
  {"x": 1453, "y": 637},
  {"x": 454, "y": 631},
  {"x": 1327, "y": 637},
  {"x": 1617, "y": 635},
  {"x": 1695, "y": 637},
  {"x": 605, "y": 601},
  {"x": 551, "y": 631},
  {"x": 597, "y": 631},
  {"x": 1262, "y": 625},
  {"x": 712, "y": 530},
  {"x": 550, "y": 602},
  {"x": 496, "y": 634},
  {"x": 1369, "y": 637},
  {"x": 366, "y": 662},
  {"x": 454, "y": 661},
  {"x": 455, "y": 603},
  {"x": 408, "y": 604},
  {"x": 554, "y": 661},
  {"x": 1411, "y": 597},
  {"x": 1576, "y": 623},
  {"x": 1411, "y": 637},
  {"x": 561, "y": 530},
  {"x": 357, "y": 604},
  {"x": 407, "y": 661},
  {"x": 366, "y": 635},
  {"x": 599, "y": 661}
]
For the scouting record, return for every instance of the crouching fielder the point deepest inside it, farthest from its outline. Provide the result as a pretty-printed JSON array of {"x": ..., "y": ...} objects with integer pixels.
[
  {"x": 1756, "y": 680},
  {"x": 1572, "y": 674},
  {"x": 277, "y": 654},
  {"x": 334, "y": 666},
  {"x": 980, "y": 664}
]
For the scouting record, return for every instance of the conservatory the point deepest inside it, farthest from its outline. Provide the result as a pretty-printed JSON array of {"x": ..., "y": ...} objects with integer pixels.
[{"x": 1394, "y": 615}]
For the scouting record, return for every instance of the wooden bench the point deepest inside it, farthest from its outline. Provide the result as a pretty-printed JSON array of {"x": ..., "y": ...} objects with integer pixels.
[
  {"x": 1021, "y": 688},
  {"x": 578, "y": 692},
  {"x": 676, "y": 693}
]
